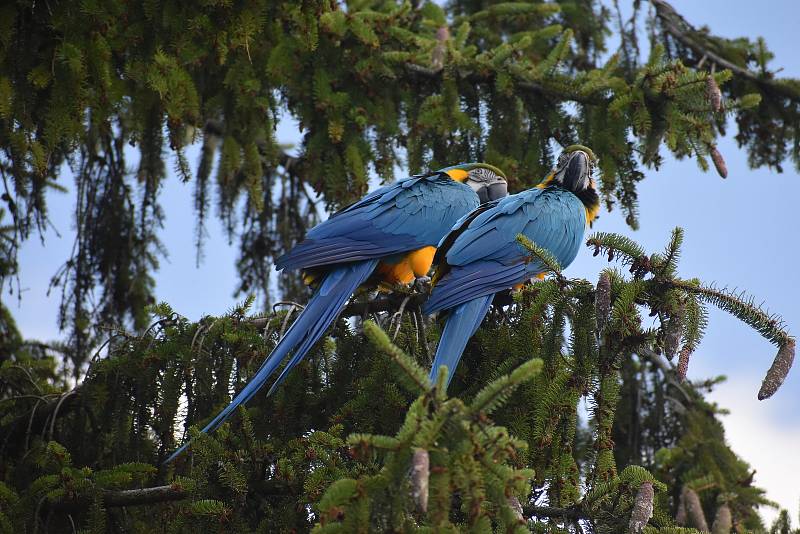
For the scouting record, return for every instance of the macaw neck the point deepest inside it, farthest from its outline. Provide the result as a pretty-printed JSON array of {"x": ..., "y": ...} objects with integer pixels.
[
  {"x": 591, "y": 201},
  {"x": 548, "y": 181},
  {"x": 589, "y": 198}
]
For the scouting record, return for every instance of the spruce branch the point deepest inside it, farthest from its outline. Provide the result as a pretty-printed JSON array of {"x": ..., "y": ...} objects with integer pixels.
[
  {"x": 499, "y": 390},
  {"x": 679, "y": 28},
  {"x": 669, "y": 261},
  {"x": 133, "y": 497},
  {"x": 741, "y": 305},
  {"x": 667, "y": 370},
  {"x": 415, "y": 377},
  {"x": 619, "y": 247},
  {"x": 624, "y": 312},
  {"x": 149, "y": 496},
  {"x": 542, "y": 255}
]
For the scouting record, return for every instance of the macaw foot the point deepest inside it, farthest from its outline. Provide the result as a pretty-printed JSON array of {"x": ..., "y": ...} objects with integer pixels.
[{"x": 422, "y": 284}]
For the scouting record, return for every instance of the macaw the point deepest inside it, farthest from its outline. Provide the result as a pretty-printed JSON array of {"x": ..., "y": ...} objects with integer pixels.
[
  {"x": 481, "y": 255},
  {"x": 388, "y": 237}
]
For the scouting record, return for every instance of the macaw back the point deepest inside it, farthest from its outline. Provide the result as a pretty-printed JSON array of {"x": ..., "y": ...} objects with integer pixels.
[{"x": 486, "y": 258}]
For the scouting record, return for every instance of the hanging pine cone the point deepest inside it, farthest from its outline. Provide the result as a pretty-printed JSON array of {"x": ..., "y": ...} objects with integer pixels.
[
  {"x": 516, "y": 506},
  {"x": 694, "y": 510},
  {"x": 723, "y": 522},
  {"x": 602, "y": 301},
  {"x": 680, "y": 514},
  {"x": 719, "y": 162},
  {"x": 440, "y": 48},
  {"x": 420, "y": 474},
  {"x": 673, "y": 331},
  {"x": 713, "y": 94},
  {"x": 642, "y": 508},
  {"x": 683, "y": 362},
  {"x": 778, "y": 370}
]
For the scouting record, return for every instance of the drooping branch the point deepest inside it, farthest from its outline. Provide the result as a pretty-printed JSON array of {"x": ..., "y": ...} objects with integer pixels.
[
  {"x": 290, "y": 163},
  {"x": 680, "y": 29}
]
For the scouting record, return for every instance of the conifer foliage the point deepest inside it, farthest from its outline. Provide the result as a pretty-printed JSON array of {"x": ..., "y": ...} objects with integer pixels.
[
  {"x": 118, "y": 90},
  {"x": 357, "y": 439}
]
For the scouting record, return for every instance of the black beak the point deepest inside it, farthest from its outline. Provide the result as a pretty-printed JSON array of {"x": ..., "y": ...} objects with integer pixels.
[
  {"x": 491, "y": 192},
  {"x": 576, "y": 175},
  {"x": 498, "y": 190}
]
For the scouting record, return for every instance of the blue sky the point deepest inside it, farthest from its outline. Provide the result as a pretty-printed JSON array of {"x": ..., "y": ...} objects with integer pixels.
[{"x": 740, "y": 232}]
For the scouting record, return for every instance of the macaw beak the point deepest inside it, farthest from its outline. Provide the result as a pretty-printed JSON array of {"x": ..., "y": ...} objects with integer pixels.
[
  {"x": 576, "y": 174},
  {"x": 494, "y": 191}
]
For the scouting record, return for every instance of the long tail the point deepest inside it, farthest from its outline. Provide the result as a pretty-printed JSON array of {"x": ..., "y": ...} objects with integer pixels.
[
  {"x": 324, "y": 306},
  {"x": 462, "y": 323}
]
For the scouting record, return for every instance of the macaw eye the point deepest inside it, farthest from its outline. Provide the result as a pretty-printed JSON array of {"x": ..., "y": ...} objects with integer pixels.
[{"x": 481, "y": 175}]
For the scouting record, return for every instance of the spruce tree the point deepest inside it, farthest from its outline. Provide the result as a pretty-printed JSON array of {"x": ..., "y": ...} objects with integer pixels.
[{"x": 117, "y": 91}]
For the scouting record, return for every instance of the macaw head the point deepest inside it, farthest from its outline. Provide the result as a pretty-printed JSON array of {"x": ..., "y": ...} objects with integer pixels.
[
  {"x": 573, "y": 172},
  {"x": 574, "y": 169},
  {"x": 488, "y": 182}
]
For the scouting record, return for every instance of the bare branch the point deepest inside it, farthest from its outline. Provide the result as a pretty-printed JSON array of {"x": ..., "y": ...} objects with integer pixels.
[{"x": 572, "y": 513}]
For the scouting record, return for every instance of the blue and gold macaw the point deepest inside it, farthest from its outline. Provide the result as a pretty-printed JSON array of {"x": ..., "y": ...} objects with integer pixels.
[
  {"x": 387, "y": 237},
  {"x": 481, "y": 256}
]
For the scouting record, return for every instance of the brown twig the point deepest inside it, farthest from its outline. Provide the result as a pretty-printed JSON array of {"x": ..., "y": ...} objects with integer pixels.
[
  {"x": 154, "y": 495},
  {"x": 571, "y": 513}
]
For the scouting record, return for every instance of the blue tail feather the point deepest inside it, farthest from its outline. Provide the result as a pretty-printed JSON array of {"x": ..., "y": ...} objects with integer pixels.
[
  {"x": 462, "y": 323},
  {"x": 324, "y": 306}
]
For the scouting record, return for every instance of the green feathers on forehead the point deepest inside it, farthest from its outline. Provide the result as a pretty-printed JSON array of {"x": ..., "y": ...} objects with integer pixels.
[
  {"x": 573, "y": 148},
  {"x": 492, "y": 168}
]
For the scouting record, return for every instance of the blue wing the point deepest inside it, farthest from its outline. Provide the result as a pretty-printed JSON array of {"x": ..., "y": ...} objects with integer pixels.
[
  {"x": 401, "y": 217},
  {"x": 486, "y": 258}
]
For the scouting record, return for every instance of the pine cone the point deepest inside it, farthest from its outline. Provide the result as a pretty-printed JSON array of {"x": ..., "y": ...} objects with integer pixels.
[
  {"x": 515, "y": 505},
  {"x": 683, "y": 362},
  {"x": 673, "y": 331},
  {"x": 778, "y": 370},
  {"x": 680, "y": 514},
  {"x": 420, "y": 474},
  {"x": 694, "y": 510},
  {"x": 713, "y": 94},
  {"x": 440, "y": 48},
  {"x": 642, "y": 508},
  {"x": 602, "y": 301},
  {"x": 723, "y": 522},
  {"x": 719, "y": 162}
]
